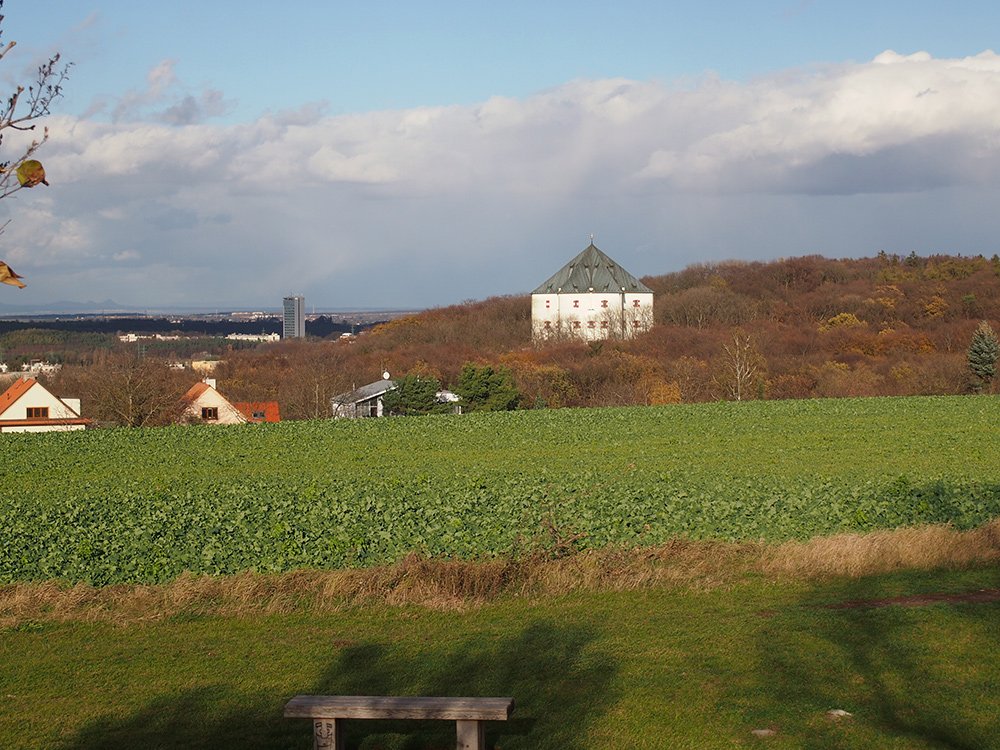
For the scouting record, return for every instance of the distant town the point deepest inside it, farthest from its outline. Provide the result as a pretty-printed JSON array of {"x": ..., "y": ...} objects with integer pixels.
[{"x": 216, "y": 323}]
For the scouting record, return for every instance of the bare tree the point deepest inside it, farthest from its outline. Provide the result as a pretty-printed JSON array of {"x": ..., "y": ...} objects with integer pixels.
[
  {"x": 19, "y": 113},
  {"x": 124, "y": 389},
  {"x": 741, "y": 366}
]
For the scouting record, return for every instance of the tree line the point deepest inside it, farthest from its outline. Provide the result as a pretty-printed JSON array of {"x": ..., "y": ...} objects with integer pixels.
[{"x": 796, "y": 328}]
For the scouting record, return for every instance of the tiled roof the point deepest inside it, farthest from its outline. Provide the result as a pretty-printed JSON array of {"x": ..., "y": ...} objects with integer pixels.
[
  {"x": 195, "y": 391},
  {"x": 269, "y": 408},
  {"x": 12, "y": 394},
  {"x": 592, "y": 271}
]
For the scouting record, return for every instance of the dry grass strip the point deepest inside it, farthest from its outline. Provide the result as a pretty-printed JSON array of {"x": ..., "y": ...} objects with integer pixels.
[{"x": 449, "y": 584}]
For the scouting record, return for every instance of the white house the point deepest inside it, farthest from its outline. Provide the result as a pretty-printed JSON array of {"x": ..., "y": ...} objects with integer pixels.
[
  {"x": 365, "y": 401},
  {"x": 591, "y": 298},
  {"x": 28, "y": 406},
  {"x": 204, "y": 403}
]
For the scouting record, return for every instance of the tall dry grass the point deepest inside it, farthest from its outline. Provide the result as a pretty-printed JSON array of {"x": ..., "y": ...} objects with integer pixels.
[{"x": 450, "y": 584}]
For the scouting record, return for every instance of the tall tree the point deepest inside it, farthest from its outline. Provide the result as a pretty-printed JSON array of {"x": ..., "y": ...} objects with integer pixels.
[
  {"x": 742, "y": 365},
  {"x": 983, "y": 352}
]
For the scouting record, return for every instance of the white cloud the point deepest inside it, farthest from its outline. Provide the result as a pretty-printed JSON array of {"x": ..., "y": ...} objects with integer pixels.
[{"x": 341, "y": 200}]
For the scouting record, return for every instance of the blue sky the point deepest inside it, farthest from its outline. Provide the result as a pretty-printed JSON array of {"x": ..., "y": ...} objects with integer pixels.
[{"x": 393, "y": 154}]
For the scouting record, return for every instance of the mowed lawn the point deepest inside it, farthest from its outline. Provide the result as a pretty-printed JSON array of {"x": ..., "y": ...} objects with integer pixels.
[{"x": 677, "y": 668}]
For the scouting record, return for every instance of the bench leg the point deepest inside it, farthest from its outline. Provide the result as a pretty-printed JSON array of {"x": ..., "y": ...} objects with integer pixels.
[
  {"x": 471, "y": 735},
  {"x": 328, "y": 734}
]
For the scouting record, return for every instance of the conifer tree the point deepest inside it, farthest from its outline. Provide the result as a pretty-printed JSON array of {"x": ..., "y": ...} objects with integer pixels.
[{"x": 983, "y": 353}]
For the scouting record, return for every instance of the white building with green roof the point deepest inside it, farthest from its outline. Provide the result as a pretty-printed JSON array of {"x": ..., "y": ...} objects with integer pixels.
[{"x": 591, "y": 298}]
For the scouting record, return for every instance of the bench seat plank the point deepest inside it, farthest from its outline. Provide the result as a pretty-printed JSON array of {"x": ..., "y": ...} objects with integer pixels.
[{"x": 394, "y": 707}]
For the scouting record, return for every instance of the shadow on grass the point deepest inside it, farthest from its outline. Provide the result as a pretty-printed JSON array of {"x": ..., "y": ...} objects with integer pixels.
[
  {"x": 913, "y": 677},
  {"x": 559, "y": 681}
]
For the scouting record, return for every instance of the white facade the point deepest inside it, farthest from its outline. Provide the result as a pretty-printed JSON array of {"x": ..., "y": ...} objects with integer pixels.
[
  {"x": 27, "y": 406},
  {"x": 591, "y": 316},
  {"x": 591, "y": 298}
]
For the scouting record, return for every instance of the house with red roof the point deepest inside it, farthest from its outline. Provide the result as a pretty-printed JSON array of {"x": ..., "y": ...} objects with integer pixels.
[
  {"x": 28, "y": 406},
  {"x": 259, "y": 411},
  {"x": 203, "y": 403}
]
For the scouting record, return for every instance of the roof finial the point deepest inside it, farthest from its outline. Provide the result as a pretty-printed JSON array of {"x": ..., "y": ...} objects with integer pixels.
[{"x": 591, "y": 238}]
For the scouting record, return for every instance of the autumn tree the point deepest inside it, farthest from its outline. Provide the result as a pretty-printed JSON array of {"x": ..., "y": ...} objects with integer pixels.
[
  {"x": 982, "y": 357},
  {"x": 19, "y": 114}
]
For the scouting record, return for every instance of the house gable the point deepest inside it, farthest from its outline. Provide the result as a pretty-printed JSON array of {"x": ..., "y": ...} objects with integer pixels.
[
  {"x": 206, "y": 404},
  {"x": 28, "y": 406}
]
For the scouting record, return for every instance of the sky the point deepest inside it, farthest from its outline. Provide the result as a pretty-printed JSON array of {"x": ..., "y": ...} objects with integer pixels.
[{"x": 221, "y": 154}]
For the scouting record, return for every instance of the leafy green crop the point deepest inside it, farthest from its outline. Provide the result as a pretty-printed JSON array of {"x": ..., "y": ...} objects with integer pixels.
[{"x": 145, "y": 505}]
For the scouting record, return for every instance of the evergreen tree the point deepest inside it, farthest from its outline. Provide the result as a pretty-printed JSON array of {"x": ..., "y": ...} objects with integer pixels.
[
  {"x": 486, "y": 389},
  {"x": 413, "y": 396},
  {"x": 983, "y": 352}
]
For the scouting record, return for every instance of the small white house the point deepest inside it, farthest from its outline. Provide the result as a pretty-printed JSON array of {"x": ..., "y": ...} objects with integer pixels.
[
  {"x": 28, "y": 406},
  {"x": 204, "y": 403},
  {"x": 591, "y": 298},
  {"x": 365, "y": 401}
]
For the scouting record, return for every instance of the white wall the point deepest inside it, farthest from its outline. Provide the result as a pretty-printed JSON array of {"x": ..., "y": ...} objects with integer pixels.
[
  {"x": 590, "y": 316},
  {"x": 35, "y": 396}
]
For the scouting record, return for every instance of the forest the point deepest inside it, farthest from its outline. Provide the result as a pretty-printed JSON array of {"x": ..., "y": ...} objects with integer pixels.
[{"x": 806, "y": 327}]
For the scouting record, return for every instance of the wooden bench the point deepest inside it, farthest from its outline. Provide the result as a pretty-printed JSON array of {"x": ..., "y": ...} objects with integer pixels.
[{"x": 329, "y": 711}]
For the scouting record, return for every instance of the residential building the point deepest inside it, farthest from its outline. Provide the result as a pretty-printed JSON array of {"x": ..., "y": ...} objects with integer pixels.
[
  {"x": 365, "y": 401},
  {"x": 294, "y": 317},
  {"x": 203, "y": 403},
  {"x": 28, "y": 406},
  {"x": 259, "y": 411},
  {"x": 591, "y": 298}
]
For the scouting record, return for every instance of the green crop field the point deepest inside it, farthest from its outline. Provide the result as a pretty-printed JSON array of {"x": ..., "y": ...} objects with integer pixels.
[{"x": 144, "y": 505}]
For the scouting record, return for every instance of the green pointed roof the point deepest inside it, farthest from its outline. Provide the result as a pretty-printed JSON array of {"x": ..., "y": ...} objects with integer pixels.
[{"x": 591, "y": 271}]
